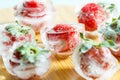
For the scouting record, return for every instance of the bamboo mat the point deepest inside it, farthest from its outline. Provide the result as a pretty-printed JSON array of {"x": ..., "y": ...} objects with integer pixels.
[{"x": 60, "y": 69}]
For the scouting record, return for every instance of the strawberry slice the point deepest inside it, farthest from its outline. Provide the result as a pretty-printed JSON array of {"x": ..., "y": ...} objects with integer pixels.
[
  {"x": 92, "y": 15},
  {"x": 63, "y": 37}
]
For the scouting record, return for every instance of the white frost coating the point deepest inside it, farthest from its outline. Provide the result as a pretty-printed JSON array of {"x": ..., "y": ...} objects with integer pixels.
[
  {"x": 21, "y": 72},
  {"x": 42, "y": 67},
  {"x": 3, "y": 38},
  {"x": 7, "y": 65},
  {"x": 114, "y": 66},
  {"x": 5, "y": 49}
]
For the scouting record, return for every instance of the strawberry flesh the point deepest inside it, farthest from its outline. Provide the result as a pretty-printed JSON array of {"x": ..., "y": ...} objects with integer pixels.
[
  {"x": 95, "y": 57},
  {"x": 66, "y": 35},
  {"x": 63, "y": 28},
  {"x": 31, "y": 4},
  {"x": 92, "y": 15},
  {"x": 31, "y": 7}
]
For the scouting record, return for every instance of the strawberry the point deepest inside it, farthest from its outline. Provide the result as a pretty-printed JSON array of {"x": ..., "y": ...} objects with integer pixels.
[
  {"x": 95, "y": 57},
  {"x": 31, "y": 7},
  {"x": 92, "y": 15},
  {"x": 31, "y": 4},
  {"x": 63, "y": 28},
  {"x": 63, "y": 37}
]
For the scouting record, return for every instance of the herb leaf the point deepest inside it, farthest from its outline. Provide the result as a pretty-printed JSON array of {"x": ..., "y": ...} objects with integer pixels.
[
  {"x": 17, "y": 30},
  {"x": 108, "y": 43},
  {"x": 82, "y": 36},
  {"x": 87, "y": 44},
  {"x": 110, "y": 35},
  {"x": 111, "y": 7},
  {"x": 102, "y": 4},
  {"x": 108, "y": 7},
  {"x": 30, "y": 52}
]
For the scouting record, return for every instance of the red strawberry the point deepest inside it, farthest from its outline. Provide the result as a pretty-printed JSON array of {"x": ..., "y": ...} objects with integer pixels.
[
  {"x": 64, "y": 37},
  {"x": 31, "y": 7},
  {"x": 31, "y": 4},
  {"x": 95, "y": 57},
  {"x": 92, "y": 15},
  {"x": 63, "y": 28}
]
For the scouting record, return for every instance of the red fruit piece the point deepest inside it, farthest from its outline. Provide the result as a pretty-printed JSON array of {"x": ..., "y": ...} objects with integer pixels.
[
  {"x": 63, "y": 28},
  {"x": 13, "y": 64},
  {"x": 92, "y": 15},
  {"x": 31, "y": 7},
  {"x": 31, "y": 4},
  {"x": 13, "y": 38},
  {"x": 34, "y": 4}
]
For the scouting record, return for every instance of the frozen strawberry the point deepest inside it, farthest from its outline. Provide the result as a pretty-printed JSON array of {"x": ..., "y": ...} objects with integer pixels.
[
  {"x": 27, "y": 59},
  {"x": 94, "y": 61},
  {"x": 63, "y": 37},
  {"x": 35, "y": 13},
  {"x": 92, "y": 15},
  {"x": 32, "y": 7},
  {"x": 14, "y": 35},
  {"x": 96, "y": 56}
]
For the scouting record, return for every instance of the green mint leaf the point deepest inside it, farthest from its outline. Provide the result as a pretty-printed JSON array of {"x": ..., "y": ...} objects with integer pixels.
[
  {"x": 119, "y": 18},
  {"x": 115, "y": 25},
  {"x": 82, "y": 36},
  {"x": 85, "y": 47},
  {"x": 114, "y": 19},
  {"x": 108, "y": 43},
  {"x": 17, "y": 30},
  {"x": 110, "y": 34},
  {"x": 87, "y": 44},
  {"x": 30, "y": 51},
  {"x": 117, "y": 30},
  {"x": 111, "y": 7},
  {"x": 102, "y": 4},
  {"x": 108, "y": 7}
]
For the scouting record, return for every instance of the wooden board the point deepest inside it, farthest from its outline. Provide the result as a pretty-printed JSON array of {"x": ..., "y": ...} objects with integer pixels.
[{"x": 61, "y": 69}]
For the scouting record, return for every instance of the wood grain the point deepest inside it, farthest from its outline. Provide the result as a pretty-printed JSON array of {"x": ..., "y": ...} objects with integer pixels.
[{"x": 60, "y": 69}]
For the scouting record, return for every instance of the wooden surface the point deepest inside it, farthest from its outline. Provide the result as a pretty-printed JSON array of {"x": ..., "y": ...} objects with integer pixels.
[
  {"x": 5, "y": 17},
  {"x": 61, "y": 69}
]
